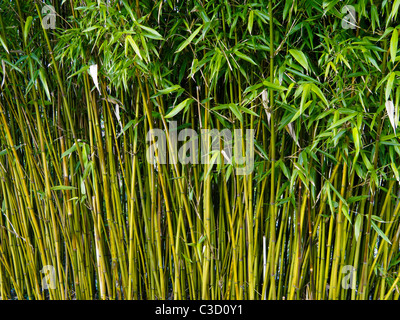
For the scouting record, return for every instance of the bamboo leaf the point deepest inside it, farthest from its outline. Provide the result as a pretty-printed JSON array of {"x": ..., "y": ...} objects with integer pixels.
[
  {"x": 69, "y": 151},
  {"x": 167, "y": 90},
  {"x": 235, "y": 110},
  {"x": 186, "y": 258},
  {"x": 338, "y": 123},
  {"x": 43, "y": 79},
  {"x": 214, "y": 158},
  {"x": 128, "y": 125},
  {"x": 179, "y": 108},
  {"x": 395, "y": 10},
  {"x": 389, "y": 85},
  {"x": 393, "y": 44},
  {"x": 64, "y": 188},
  {"x": 185, "y": 43},
  {"x": 151, "y": 33},
  {"x": 274, "y": 86},
  {"x": 128, "y": 8},
  {"x": 84, "y": 68},
  {"x": 319, "y": 93},
  {"x": 244, "y": 57},
  {"x": 27, "y": 27},
  {"x": 380, "y": 232},
  {"x": 87, "y": 170},
  {"x": 3, "y": 43},
  {"x": 357, "y": 226},
  {"x": 376, "y": 218},
  {"x": 300, "y": 58},
  {"x": 250, "y": 22},
  {"x": 133, "y": 45},
  {"x": 356, "y": 138},
  {"x": 247, "y": 110}
]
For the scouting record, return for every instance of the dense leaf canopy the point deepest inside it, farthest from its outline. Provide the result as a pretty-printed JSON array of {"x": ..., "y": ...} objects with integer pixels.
[{"x": 316, "y": 218}]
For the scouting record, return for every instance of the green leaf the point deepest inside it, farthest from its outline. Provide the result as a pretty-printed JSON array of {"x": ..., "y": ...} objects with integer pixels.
[
  {"x": 27, "y": 27},
  {"x": 202, "y": 238},
  {"x": 79, "y": 71},
  {"x": 3, "y": 43},
  {"x": 56, "y": 188},
  {"x": 83, "y": 187},
  {"x": 235, "y": 110},
  {"x": 250, "y": 23},
  {"x": 380, "y": 232},
  {"x": 153, "y": 34},
  {"x": 300, "y": 111},
  {"x": 88, "y": 168},
  {"x": 356, "y": 138},
  {"x": 167, "y": 90},
  {"x": 344, "y": 202},
  {"x": 395, "y": 10},
  {"x": 244, "y": 57},
  {"x": 303, "y": 105},
  {"x": 198, "y": 247},
  {"x": 128, "y": 8},
  {"x": 128, "y": 125},
  {"x": 188, "y": 40},
  {"x": 43, "y": 79},
  {"x": 373, "y": 61},
  {"x": 393, "y": 44},
  {"x": 186, "y": 258},
  {"x": 357, "y": 226},
  {"x": 319, "y": 93},
  {"x": 389, "y": 85},
  {"x": 273, "y": 86},
  {"x": 247, "y": 110},
  {"x": 178, "y": 108},
  {"x": 170, "y": 89},
  {"x": 253, "y": 88},
  {"x": 69, "y": 151},
  {"x": 300, "y": 57},
  {"x": 133, "y": 44},
  {"x": 341, "y": 121},
  {"x": 212, "y": 162},
  {"x": 367, "y": 162},
  {"x": 304, "y": 97},
  {"x": 91, "y": 28},
  {"x": 376, "y": 218}
]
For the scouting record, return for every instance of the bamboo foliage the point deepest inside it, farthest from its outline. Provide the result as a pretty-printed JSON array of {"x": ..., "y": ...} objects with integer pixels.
[{"x": 86, "y": 215}]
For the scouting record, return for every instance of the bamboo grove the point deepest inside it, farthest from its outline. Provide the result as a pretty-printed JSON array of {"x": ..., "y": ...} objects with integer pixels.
[{"x": 79, "y": 199}]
